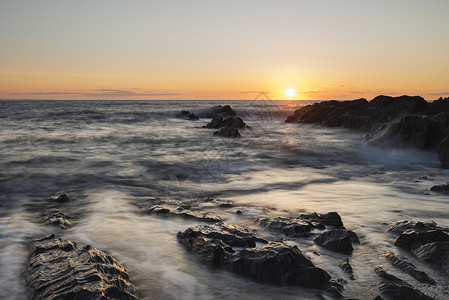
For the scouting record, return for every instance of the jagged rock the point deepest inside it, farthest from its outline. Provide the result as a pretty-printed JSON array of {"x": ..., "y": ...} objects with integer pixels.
[
  {"x": 61, "y": 197},
  {"x": 181, "y": 212},
  {"x": 403, "y": 225},
  {"x": 272, "y": 263},
  {"x": 294, "y": 227},
  {"x": 344, "y": 264},
  {"x": 435, "y": 253},
  {"x": 229, "y": 127},
  {"x": 331, "y": 218},
  {"x": 187, "y": 115},
  {"x": 408, "y": 268},
  {"x": 339, "y": 240},
  {"x": 60, "y": 269},
  {"x": 58, "y": 218},
  {"x": 443, "y": 188},
  {"x": 411, "y": 239},
  {"x": 394, "y": 288},
  {"x": 443, "y": 152},
  {"x": 440, "y": 105}
]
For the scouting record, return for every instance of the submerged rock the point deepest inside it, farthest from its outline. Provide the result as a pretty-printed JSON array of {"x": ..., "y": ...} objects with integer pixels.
[
  {"x": 61, "y": 197},
  {"x": 338, "y": 240},
  {"x": 187, "y": 115},
  {"x": 408, "y": 268},
  {"x": 60, "y": 269},
  {"x": 272, "y": 263},
  {"x": 58, "y": 218},
  {"x": 181, "y": 212}
]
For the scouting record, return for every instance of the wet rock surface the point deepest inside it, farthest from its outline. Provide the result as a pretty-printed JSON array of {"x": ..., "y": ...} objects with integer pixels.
[
  {"x": 274, "y": 262},
  {"x": 61, "y": 269},
  {"x": 338, "y": 240},
  {"x": 57, "y": 218},
  {"x": 346, "y": 266},
  {"x": 293, "y": 227},
  {"x": 443, "y": 152},
  {"x": 392, "y": 287},
  {"x": 408, "y": 268},
  {"x": 330, "y": 219}
]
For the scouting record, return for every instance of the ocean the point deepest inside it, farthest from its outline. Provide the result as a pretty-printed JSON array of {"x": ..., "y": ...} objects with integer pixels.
[{"x": 114, "y": 158}]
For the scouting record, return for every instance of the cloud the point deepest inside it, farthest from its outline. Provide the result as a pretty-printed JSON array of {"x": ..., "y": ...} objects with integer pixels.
[
  {"x": 439, "y": 94},
  {"x": 124, "y": 93},
  {"x": 48, "y": 93},
  {"x": 309, "y": 92}
]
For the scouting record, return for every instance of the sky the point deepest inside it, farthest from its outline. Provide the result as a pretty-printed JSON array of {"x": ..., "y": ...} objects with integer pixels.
[{"x": 198, "y": 49}]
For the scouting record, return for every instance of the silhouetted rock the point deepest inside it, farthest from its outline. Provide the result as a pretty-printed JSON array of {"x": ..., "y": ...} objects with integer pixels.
[
  {"x": 442, "y": 188},
  {"x": 272, "y": 263},
  {"x": 187, "y": 115},
  {"x": 443, "y": 152},
  {"x": 61, "y": 197},
  {"x": 181, "y": 212},
  {"x": 344, "y": 264},
  {"x": 440, "y": 105},
  {"x": 58, "y": 218},
  {"x": 408, "y": 268},
  {"x": 339, "y": 240},
  {"x": 394, "y": 288},
  {"x": 60, "y": 269}
]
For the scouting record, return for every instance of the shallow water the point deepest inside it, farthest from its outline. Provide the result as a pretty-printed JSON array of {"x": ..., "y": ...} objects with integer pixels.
[{"x": 112, "y": 157}]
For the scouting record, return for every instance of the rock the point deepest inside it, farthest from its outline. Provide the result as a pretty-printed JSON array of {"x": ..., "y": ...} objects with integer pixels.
[
  {"x": 344, "y": 264},
  {"x": 443, "y": 188},
  {"x": 443, "y": 152},
  {"x": 181, "y": 212},
  {"x": 187, "y": 115},
  {"x": 232, "y": 235},
  {"x": 229, "y": 127},
  {"x": 440, "y": 105},
  {"x": 224, "y": 111},
  {"x": 394, "y": 288},
  {"x": 294, "y": 227},
  {"x": 60, "y": 269},
  {"x": 58, "y": 218},
  {"x": 436, "y": 253},
  {"x": 403, "y": 225},
  {"x": 411, "y": 239},
  {"x": 216, "y": 122},
  {"x": 338, "y": 240},
  {"x": 272, "y": 263},
  {"x": 61, "y": 197},
  {"x": 408, "y": 268},
  {"x": 220, "y": 203},
  {"x": 331, "y": 218}
]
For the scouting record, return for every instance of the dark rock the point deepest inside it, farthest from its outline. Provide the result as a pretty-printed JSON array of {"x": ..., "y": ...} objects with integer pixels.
[
  {"x": 394, "y": 288},
  {"x": 229, "y": 127},
  {"x": 344, "y": 264},
  {"x": 216, "y": 122},
  {"x": 187, "y": 115},
  {"x": 61, "y": 197},
  {"x": 440, "y": 105},
  {"x": 181, "y": 212},
  {"x": 294, "y": 227},
  {"x": 58, "y": 218},
  {"x": 239, "y": 212},
  {"x": 436, "y": 253},
  {"x": 412, "y": 239},
  {"x": 224, "y": 111},
  {"x": 232, "y": 235},
  {"x": 331, "y": 218},
  {"x": 408, "y": 268},
  {"x": 443, "y": 188},
  {"x": 443, "y": 152},
  {"x": 59, "y": 269},
  {"x": 338, "y": 240},
  {"x": 403, "y": 225},
  {"x": 220, "y": 203}
]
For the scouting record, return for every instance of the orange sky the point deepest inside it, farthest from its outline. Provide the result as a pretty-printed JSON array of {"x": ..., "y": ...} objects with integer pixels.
[{"x": 223, "y": 50}]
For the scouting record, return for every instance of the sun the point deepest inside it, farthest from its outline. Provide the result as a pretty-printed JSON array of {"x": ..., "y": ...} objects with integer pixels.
[{"x": 290, "y": 93}]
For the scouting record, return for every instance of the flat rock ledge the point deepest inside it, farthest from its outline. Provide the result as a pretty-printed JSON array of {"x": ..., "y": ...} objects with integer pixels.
[
  {"x": 61, "y": 269},
  {"x": 268, "y": 262}
]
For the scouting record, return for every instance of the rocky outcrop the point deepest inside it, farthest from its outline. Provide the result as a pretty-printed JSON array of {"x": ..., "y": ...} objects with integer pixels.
[
  {"x": 408, "y": 268},
  {"x": 60, "y": 198},
  {"x": 338, "y": 240},
  {"x": 330, "y": 219},
  {"x": 273, "y": 262},
  {"x": 443, "y": 152},
  {"x": 346, "y": 266},
  {"x": 186, "y": 115},
  {"x": 224, "y": 111},
  {"x": 403, "y": 225},
  {"x": 181, "y": 212},
  {"x": 230, "y": 127},
  {"x": 61, "y": 269},
  {"x": 442, "y": 188},
  {"x": 392, "y": 287},
  {"x": 436, "y": 253},
  {"x": 57, "y": 218}
]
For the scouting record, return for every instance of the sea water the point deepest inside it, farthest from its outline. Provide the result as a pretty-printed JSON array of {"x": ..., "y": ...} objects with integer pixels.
[{"x": 113, "y": 157}]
